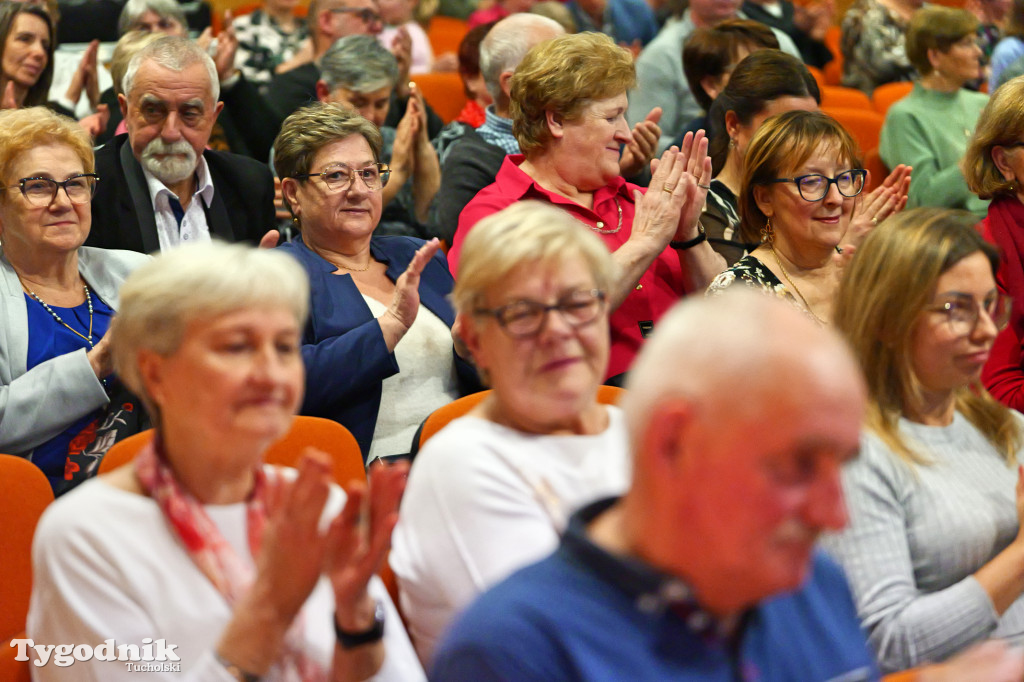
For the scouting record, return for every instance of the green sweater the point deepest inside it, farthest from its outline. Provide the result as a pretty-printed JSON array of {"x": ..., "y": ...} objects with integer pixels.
[{"x": 929, "y": 130}]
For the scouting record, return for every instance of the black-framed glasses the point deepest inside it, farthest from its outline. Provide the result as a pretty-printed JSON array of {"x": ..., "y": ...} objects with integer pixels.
[
  {"x": 42, "y": 192},
  {"x": 339, "y": 177},
  {"x": 365, "y": 14},
  {"x": 526, "y": 318},
  {"x": 814, "y": 186},
  {"x": 962, "y": 311}
]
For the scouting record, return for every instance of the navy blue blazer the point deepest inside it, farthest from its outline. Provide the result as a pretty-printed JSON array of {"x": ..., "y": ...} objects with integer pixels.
[{"x": 343, "y": 348}]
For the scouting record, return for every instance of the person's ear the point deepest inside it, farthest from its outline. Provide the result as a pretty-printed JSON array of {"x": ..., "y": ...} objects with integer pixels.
[
  {"x": 763, "y": 199},
  {"x": 713, "y": 86},
  {"x": 465, "y": 327},
  {"x": 289, "y": 192},
  {"x": 217, "y": 109},
  {"x": 665, "y": 439},
  {"x": 1002, "y": 162},
  {"x": 151, "y": 371},
  {"x": 555, "y": 124},
  {"x": 323, "y": 93},
  {"x": 505, "y": 82},
  {"x": 934, "y": 57},
  {"x": 122, "y": 102},
  {"x": 732, "y": 124}
]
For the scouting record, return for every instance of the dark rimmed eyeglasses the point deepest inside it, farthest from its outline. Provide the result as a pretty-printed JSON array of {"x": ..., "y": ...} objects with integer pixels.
[
  {"x": 42, "y": 192},
  {"x": 814, "y": 186},
  {"x": 366, "y": 15},
  {"x": 339, "y": 177},
  {"x": 526, "y": 318},
  {"x": 962, "y": 311}
]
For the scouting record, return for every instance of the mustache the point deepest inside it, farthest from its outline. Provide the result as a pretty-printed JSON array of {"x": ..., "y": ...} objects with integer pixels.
[{"x": 157, "y": 147}]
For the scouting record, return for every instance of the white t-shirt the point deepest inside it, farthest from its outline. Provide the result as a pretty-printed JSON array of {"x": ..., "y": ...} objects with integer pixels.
[
  {"x": 107, "y": 566},
  {"x": 484, "y": 500}
]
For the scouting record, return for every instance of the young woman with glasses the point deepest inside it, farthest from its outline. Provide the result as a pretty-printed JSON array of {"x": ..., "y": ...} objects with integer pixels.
[
  {"x": 934, "y": 548},
  {"x": 378, "y": 345},
  {"x": 493, "y": 490},
  {"x": 57, "y": 299},
  {"x": 801, "y": 179}
]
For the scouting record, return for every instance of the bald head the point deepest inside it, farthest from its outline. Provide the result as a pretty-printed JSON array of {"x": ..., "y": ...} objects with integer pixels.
[{"x": 505, "y": 46}]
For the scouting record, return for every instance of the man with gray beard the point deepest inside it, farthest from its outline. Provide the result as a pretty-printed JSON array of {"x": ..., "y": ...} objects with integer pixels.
[{"x": 159, "y": 185}]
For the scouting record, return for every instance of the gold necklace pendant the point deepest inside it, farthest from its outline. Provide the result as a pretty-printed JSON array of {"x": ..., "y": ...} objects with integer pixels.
[{"x": 796, "y": 289}]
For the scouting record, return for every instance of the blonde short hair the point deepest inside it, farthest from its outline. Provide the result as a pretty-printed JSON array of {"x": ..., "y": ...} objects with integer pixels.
[
  {"x": 936, "y": 28},
  {"x": 160, "y": 299},
  {"x": 313, "y": 127},
  {"x": 527, "y": 232},
  {"x": 24, "y": 129},
  {"x": 783, "y": 142},
  {"x": 1001, "y": 123},
  {"x": 563, "y": 75},
  {"x": 879, "y": 304}
]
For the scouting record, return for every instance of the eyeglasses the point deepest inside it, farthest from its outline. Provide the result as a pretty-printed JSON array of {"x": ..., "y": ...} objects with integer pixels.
[
  {"x": 42, "y": 192},
  {"x": 339, "y": 177},
  {"x": 814, "y": 187},
  {"x": 526, "y": 318},
  {"x": 962, "y": 311},
  {"x": 365, "y": 14}
]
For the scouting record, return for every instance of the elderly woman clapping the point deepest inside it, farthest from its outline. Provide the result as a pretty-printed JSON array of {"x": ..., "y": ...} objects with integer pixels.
[
  {"x": 568, "y": 105},
  {"x": 57, "y": 299},
  {"x": 378, "y": 347},
  {"x": 199, "y": 543},
  {"x": 492, "y": 492}
]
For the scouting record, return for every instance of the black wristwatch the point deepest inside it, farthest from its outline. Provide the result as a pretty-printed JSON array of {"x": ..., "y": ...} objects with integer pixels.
[
  {"x": 690, "y": 243},
  {"x": 350, "y": 640}
]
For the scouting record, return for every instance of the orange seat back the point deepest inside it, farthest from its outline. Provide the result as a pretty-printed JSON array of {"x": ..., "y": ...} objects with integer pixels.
[
  {"x": 10, "y": 669},
  {"x": 844, "y": 98},
  {"x": 819, "y": 76},
  {"x": 834, "y": 69},
  {"x": 24, "y": 494},
  {"x": 874, "y": 165},
  {"x": 445, "y": 34},
  {"x": 444, "y": 92},
  {"x": 888, "y": 94},
  {"x": 323, "y": 434},
  {"x": 864, "y": 125}
]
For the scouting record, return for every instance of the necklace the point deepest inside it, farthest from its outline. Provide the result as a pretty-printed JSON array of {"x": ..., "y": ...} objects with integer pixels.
[
  {"x": 600, "y": 224},
  {"x": 796, "y": 289},
  {"x": 88, "y": 300},
  {"x": 345, "y": 267}
]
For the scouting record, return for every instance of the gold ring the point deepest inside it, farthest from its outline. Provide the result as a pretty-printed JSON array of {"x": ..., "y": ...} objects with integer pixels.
[
  {"x": 668, "y": 189},
  {"x": 874, "y": 221}
]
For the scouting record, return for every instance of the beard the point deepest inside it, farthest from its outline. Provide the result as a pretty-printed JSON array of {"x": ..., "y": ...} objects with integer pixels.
[{"x": 178, "y": 162}]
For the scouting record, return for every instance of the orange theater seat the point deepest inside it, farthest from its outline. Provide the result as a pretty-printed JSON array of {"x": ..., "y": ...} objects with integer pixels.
[
  {"x": 445, "y": 34},
  {"x": 845, "y": 98},
  {"x": 834, "y": 69},
  {"x": 864, "y": 124},
  {"x": 444, "y": 93},
  {"x": 819, "y": 76},
  {"x": 888, "y": 94},
  {"x": 873, "y": 164}
]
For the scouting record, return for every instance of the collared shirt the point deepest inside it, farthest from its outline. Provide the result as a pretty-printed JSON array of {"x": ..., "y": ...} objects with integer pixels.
[
  {"x": 497, "y": 130},
  {"x": 193, "y": 227},
  {"x": 611, "y": 218}
]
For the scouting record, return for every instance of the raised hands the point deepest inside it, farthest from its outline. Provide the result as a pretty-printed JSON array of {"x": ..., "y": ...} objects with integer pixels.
[
  {"x": 888, "y": 198},
  {"x": 401, "y": 47},
  {"x": 405, "y": 303},
  {"x": 672, "y": 206},
  {"x": 640, "y": 150},
  {"x": 86, "y": 78}
]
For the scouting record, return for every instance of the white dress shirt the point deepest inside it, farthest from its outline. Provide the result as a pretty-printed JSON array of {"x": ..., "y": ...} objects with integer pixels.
[{"x": 193, "y": 228}]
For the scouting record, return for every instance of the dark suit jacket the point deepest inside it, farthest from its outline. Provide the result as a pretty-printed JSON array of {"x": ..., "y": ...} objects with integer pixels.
[{"x": 122, "y": 211}]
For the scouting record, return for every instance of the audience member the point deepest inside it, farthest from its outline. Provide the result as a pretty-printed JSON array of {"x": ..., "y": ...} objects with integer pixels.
[
  {"x": 629, "y": 22},
  {"x": 929, "y": 128},
  {"x": 994, "y": 169},
  {"x": 1009, "y": 49},
  {"x": 933, "y": 546},
  {"x": 57, "y": 301},
  {"x": 806, "y": 24},
  {"x": 378, "y": 346},
  {"x": 801, "y": 178},
  {"x": 197, "y": 542},
  {"x": 359, "y": 74},
  {"x": 763, "y": 84},
  {"x": 477, "y": 96},
  {"x": 711, "y": 54},
  {"x": 26, "y": 55},
  {"x": 492, "y": 491},
  {"x": 268, "y": 37},
  {"x": 397, "y": 16},
  {"x": 162, "y": 186},
  {"x": 497, "y": 11},
  {"x": 706, "y": 567},
  {"x": 153, "y": 16},
  {"x": 473, "y": 162},
  {"x": 661, "y": 81},
  {"x": 873, "y": 43},
  {"x": 568, "y": 109},
  {"x": 126, "y": 47}
]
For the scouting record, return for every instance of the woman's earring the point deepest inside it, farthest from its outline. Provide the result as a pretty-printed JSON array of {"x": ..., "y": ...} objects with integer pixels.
[
  {"x": 767, "y": 233},
  {"x": 732, "y": 143}
]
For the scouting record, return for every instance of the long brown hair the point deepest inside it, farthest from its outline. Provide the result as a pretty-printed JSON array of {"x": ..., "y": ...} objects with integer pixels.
[{"x": 9, "y": 11}]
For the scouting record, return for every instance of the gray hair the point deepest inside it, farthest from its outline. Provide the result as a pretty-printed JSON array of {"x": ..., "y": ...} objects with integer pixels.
[
  {"x": 133, "y": 9},
  {"x": 160, "y": 299},
  {"x": 508, "y": 42},
  {"x": 175, "y": 54},
  {"x": 527, "y": 232},
  {"x": 358, "y": 63}
]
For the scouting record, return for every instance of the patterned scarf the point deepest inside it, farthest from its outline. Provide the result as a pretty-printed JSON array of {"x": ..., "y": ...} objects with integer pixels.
[{"x": 212, "y": 554}]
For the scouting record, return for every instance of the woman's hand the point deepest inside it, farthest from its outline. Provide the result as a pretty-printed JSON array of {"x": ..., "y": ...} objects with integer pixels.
[
  {"x": 427, "y": 173},
  {"x": 405, "y": 303},
  {"x": 100, "y": 358},
  {"x": 991, "y": 661},
  {"x": 401, "y": 47},
  {"x": 403, "y": 151},
  {"x": 695, "y": 182},
  {"x": 644, "y": 143},
  {"x": 86, "y": 78},
  {"x": 358, "y": 541},
  {"x": 888, "y": 198}
]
